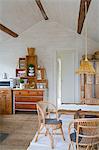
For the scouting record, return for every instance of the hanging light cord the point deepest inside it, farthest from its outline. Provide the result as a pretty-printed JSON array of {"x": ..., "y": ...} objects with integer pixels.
[
  {"x": 86, "y": 67},
  {"x": 86, "y": 32}
]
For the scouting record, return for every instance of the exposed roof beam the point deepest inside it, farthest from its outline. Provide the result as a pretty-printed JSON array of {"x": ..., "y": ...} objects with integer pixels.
[
  {"x": 82, "y": 16},
  {"x": 39, "y": 4},
  {"x": 8, "y": 31}
]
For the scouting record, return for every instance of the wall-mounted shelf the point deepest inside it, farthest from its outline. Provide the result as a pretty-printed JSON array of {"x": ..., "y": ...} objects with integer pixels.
[{"x": 28, "y": 69}]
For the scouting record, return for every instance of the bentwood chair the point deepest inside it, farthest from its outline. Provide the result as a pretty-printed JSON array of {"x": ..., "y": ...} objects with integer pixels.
[
  {"x": 84, "y": 132},
  {"x": 48, "y": 119}
]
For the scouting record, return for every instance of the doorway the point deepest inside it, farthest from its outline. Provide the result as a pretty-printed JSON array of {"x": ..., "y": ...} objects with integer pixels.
[{"x": 65, "y": 77}]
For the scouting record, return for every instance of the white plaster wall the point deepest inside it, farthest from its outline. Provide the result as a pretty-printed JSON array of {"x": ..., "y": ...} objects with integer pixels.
[{"x": 48, "y": 38}]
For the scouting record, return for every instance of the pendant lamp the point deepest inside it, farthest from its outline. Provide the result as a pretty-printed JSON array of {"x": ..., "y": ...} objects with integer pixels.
[{"x": 85, "y": 66}]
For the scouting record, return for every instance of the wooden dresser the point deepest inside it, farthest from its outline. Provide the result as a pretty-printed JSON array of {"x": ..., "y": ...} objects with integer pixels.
[
  {"x": 26, "y": 99},
  {"x": 5, "y": 101}
]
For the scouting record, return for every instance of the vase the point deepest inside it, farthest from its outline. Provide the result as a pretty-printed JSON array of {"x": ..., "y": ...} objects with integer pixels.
[{"x": 21, "y": 85}]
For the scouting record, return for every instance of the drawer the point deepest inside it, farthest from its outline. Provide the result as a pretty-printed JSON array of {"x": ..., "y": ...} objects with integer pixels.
[
  {"x": 20, "y": 92},
  {"x": 28, "y": 99},
  {"x": 40, "y": 93},
  {"x": 25, "y": 106},
  {"x": 28, "y": 92}
]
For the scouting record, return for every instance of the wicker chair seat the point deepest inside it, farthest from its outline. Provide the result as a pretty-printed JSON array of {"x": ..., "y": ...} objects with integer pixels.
[
  {"x": 53, "y": 121},
  {"x": 89, "y": 141}
]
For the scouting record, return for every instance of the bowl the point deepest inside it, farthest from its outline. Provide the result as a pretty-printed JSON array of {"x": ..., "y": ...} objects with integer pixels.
[
  {"x": 96, "y": 53},
  {"x": 31, "y": 74}
]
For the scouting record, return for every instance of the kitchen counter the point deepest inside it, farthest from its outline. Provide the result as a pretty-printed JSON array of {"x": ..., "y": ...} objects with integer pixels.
[{"x": 14, "y": 89}]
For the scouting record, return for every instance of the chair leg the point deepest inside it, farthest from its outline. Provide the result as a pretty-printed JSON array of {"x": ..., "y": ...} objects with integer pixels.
[
  {"x": 69, "y": 146},
  {"x": 77, "y": 147},
  {"x": 51, "y": 138},
  {"x": 62, "y": 133},
  {"x": 39, "y": 130},
  {"x": 72, "y": 145},
  {"x": 46, "y": 133},
  {"x": 91, "y": 147},
  {"x": 87, "y": 147}
]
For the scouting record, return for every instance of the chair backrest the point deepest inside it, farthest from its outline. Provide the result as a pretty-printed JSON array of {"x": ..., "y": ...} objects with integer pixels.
[
  {"x": 43, "y": 109},
  {"x": 90, "y": 130},
  {"x": 41, "y": 113}
]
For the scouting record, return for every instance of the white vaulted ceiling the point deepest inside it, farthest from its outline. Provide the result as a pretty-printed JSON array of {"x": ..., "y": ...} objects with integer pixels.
[{"x": 20, "y": 15}]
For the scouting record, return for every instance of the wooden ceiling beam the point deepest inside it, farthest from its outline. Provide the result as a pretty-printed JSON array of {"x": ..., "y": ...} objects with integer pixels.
[
  {"x": 39, "y": 4},
  {"x": 82, "y": 16},
  {"x": 8, "y": 31}
]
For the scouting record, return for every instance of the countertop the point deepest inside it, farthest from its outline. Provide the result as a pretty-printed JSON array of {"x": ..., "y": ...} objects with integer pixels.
[{"x": 14, "y": 89}]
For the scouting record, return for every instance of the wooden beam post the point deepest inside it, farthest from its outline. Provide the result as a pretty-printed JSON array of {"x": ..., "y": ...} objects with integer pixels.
[
  {"x": 82, "y": 16},
  {"x": 39, "y": 4},
  {"x": 8, "y": 31}
]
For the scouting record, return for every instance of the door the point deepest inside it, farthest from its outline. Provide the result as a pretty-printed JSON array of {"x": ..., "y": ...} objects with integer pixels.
[{"x": 67, "y": 76}]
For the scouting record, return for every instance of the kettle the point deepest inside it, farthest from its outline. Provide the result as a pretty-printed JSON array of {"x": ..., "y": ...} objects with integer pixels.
[{"x": 4, "y": 75}]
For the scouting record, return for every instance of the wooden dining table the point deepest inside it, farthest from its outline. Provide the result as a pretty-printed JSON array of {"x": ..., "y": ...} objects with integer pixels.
[{"x": 71, "y": 109}]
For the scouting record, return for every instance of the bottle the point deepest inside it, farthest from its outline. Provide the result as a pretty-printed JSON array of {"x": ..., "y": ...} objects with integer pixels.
[{"x": 39, "y": 74}]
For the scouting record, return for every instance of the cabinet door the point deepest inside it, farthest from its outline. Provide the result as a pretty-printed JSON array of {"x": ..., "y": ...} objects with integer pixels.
[
  {"x": 9, "y": 102},
  {"x": 5, "y": 101},
  {"x": 2, "y": 103}
]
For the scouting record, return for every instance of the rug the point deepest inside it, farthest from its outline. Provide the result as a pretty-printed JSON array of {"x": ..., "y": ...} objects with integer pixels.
[
  {"x": 43, "y": 142},
  {"x": 3, "y": 136}
]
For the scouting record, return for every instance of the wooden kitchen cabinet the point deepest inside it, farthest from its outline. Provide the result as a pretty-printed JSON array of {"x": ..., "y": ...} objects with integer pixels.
[
  {"x": 5, "y": 101},
  {"x": 26, "y": 99}
]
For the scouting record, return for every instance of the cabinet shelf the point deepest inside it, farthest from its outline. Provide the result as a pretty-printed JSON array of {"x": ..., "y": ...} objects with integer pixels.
[
  {"x": 28, "y": 69},
  {"x": 29, "y": 77}
]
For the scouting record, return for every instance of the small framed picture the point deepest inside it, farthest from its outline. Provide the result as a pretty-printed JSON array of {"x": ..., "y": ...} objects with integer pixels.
[{"x": 22, "y": 63}]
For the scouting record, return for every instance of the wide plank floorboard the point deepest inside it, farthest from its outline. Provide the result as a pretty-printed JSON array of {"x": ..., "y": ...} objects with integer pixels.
[{"x": 21, "y": 129}]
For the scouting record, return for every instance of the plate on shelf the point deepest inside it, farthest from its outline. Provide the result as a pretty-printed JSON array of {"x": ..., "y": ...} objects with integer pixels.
[{"x": 31, "y": 74}]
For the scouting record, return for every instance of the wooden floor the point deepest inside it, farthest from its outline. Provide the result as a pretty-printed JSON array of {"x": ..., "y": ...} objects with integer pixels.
[{"x": 21, "y": 129}]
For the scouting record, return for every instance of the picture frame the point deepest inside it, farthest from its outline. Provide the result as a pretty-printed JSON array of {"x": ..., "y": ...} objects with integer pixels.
[{"x": 22, "y": 63}]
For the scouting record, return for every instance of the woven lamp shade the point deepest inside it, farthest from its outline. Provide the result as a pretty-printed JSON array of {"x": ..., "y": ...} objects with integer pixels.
[{"x": 86, "y": 68}]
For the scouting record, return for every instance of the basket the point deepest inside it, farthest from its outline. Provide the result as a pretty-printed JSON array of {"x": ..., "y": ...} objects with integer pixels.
[{"x": 31, "y": 51}]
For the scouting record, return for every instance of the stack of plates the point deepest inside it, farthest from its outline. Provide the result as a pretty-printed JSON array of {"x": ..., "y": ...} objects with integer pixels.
[{"x": 31, "y": 71}]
